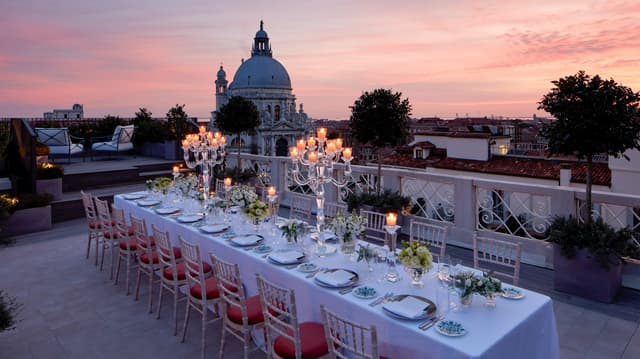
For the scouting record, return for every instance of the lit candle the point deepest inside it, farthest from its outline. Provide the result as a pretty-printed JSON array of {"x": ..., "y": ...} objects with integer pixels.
[
  {"x": 176, "y": 170},
  {"x": 331, "y": 147},
  {"x": 223, "y": 140},
  {"x": 322, "y": 133},
  {"x": 311, "y": 142},
  {"x": 209, "y": 136},
  {"x": 391, "y": 219},
  {"x": 202, "y": 129},
  {"x": 294, "y": 152},
  {"x": 217, "y": 135},
  {"x": 300, "y": 145},
  {"x": 313, "y": 157},
  {"x": 227, "y": 182},
  {"x": 346, "y": 153},
  {"x": 271, "y": 191},
  {"x": 185, "y": 144},
  {"x": 338, "y": 143}
]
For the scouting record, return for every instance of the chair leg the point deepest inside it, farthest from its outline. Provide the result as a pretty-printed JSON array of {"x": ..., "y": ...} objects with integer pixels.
[
  {"x": 97, "y": 248},
  {"x": 104, "y": 248},
  {"x": 186, "y": 320},
  {"x": 126, "y": 278},
  {"x": 160, "y": 300},
  {"x": 89, "y": 243},
  {"x": 118, "y": 270},
  {"x": 222, "y": 336},
  {"x": 113, "y": 260},
  {"x": 138, "y": 284},
  {"x": 204, "y": 329},
  {"x": 149, "y": 308},
  {"x": 175, "y": 310},
  {"x": 247, "y": 341}
]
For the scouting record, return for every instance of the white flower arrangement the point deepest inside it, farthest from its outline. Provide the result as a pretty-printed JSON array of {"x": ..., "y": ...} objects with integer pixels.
[
  {"x": 416, "y": 255},
  {"x": 243, "y": 195},
  {"x": 293, "y": 229},
  {"x": 186, "y": 184},
  {"x": 159, "y": 184},
  {"x": 257, "y": 210},
  {"x": 348, "y": 227}
]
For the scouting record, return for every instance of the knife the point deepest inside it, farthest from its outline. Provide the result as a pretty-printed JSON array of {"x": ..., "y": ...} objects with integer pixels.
[{"x": 430, "y": 322}]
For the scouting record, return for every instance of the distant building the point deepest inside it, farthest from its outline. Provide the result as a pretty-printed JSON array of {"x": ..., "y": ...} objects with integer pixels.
[
  {"x": 265, "y": 81},
  {"x": 76, "y": 112}
]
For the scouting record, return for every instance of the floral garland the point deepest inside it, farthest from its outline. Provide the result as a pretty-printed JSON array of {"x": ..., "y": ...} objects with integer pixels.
[
  {"x": 257, "y": 210},
  {"x": 243, "y": 195},
  {"x": 469, "y": 284},
  {"x": 416, "y": 255},
  {"x": 348, "y": 227}
]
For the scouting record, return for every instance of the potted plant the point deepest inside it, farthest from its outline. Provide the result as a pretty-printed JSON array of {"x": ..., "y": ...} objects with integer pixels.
[
  {"x": 27, "y": 213},
  {"x": 49, "y": 179},
  {"x": 588, "y": 257}
]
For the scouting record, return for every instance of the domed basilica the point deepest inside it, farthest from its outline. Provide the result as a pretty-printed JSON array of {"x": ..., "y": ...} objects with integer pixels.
[{"x": 264, "y": 81}]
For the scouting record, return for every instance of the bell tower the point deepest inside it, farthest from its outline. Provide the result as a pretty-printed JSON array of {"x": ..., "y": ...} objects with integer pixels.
[
  {"x": 221, "y": 88},
  {"x": 261, "y": 45}
]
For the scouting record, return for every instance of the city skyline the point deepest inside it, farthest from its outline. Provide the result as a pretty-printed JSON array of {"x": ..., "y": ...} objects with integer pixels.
[{"x": 448, "y": 58}]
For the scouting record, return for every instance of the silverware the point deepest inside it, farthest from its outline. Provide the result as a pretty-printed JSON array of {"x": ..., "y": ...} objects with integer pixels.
[
  {"x": 311, "y": 275},
  {"x": 346, "y": 290},
  {"x": 430, "y": 322},
  {"x": 381, "y": 299}
]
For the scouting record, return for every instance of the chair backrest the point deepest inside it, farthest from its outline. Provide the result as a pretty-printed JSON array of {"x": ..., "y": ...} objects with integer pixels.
[
  {"x": 279, "y": 311},
  {"x": 434, "y": 235},
  {"x": 89, "y": 209},
  {"x": 375, "y": 226},
  {"x": 120, "y": 225},
  {"x": 54, "y": 136},
  {"x": 122, "y": 134},
  {"x": 497, "y": 256},
  {"x": 104, "y": 216},
  {"x": 139, "y": 226},
  {"x": 193, "y": 264},
  {"x": 220, "y": 191},
  {"x": 300, "y": 207},
  {"x": 345, "y": 335},
  {"x": 229, "y": 280},
  {"x": 166, "y": 256},
  {"x": 333, "y": 208}
]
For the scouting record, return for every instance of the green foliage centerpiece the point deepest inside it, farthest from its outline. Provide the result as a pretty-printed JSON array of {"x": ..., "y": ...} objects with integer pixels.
[
  {"x": 467, "y": 284},
  {"x": 293, "y": 229},
  {"x": 348, "y": 228},
  {"x": 257, "y": 211},
  {"x": 417, "y": 260}
]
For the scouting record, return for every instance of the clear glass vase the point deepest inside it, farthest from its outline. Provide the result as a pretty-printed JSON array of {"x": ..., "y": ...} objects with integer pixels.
[
  {"x": 416, "y": 274},
  {"x": 466, "y": 301},
  {"x": 490, "y": 300},
  {"x": 347, "y": 244}
]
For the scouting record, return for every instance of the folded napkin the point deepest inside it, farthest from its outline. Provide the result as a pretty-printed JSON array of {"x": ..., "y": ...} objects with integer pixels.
[
  {"x": 409, "y": 307},
  {"x": 328, "y": 236},
  {"x": 336, "y": 278},
  {"x": 148, "y": 202},
  {"x": 135, "y": 195},
  {"x": 288, "y": 257},
  {"x": 246, "y": 240},
  {"x": 214, "y": 228},
  {"x": 188, "y": 218},
  {"x": 167, "y": 210}
]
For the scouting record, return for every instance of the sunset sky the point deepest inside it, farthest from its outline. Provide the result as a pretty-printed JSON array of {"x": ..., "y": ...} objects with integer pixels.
[{"x": 479, "y": 58}]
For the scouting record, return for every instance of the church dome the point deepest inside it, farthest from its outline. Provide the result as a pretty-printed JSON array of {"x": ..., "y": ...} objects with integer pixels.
[{"x": 262, "y": 72}]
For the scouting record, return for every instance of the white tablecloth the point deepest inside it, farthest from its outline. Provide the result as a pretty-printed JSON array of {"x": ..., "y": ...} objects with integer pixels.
[{"x": 523, "y": 328}]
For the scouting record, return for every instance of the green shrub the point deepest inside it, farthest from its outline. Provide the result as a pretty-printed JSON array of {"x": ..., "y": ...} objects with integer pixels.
[
  {"x": 32, "y": 200},
  {"x": 154, "y": 131},
  {"x": 9, "y": 310},
  {"x": 387, "y": 201}
]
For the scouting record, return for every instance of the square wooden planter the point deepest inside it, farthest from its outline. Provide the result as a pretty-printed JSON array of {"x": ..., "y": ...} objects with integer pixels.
[
  {"x": 585, "y": 277},
  {"x": 53, "y": 186},
  {"x": 26, "y": 221}
]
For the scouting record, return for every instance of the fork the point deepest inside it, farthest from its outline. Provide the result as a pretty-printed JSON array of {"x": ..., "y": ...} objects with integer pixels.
[
  {"x": 430, "y": 322},
  {"x": 348, "y": 289},
  {"x": 311, "y": 275},
  {"x": 381, "y": 299}
]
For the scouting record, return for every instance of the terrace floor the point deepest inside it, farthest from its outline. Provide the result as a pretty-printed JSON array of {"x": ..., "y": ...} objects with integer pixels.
[{"x": 72, "y": 310}]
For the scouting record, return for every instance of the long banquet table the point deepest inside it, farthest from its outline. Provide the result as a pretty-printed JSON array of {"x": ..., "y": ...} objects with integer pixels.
[{"x": 523, "y": 328}]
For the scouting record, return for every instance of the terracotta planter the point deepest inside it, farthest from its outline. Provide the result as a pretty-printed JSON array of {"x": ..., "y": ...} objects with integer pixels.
[
  {"x": 53, "y": 186},
  {"x": 584, "y": 276},
  {"x": 26, "y": 221}
]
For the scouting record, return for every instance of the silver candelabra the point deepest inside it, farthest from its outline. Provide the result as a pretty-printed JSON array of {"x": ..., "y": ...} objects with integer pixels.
[
  {"x": 207, "y": 150},
  {"x": 319, "y": 155}
]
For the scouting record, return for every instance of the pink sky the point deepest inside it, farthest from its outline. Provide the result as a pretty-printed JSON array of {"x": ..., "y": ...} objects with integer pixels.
[{"x": 479, "y": 58}]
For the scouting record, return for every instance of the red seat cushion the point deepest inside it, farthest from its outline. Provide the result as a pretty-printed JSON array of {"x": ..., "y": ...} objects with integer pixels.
[
  {"x": 107, "y": 234},
  {"x": 133, "y": 245},
  {"x": 254, "y": 311},
  {"x": 145, "y": 258},
  {"x": 212, "y": 289},
  {"x": 180, "y": 268},
  {"x": 97, "y": 224},
  {"x": 312, "y": 338}
]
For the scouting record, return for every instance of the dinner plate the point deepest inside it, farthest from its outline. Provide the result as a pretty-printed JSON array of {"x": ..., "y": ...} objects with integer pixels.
[
  {"x": 353, "y": 281},
  {"x": 263, "y": 248},
  {"x": 365, "y": 292},
  {"x": 450, "y": 328},
  {"x": 189, "y": 218},
  {"x": 512, "y": 293},
  {"x": 247, "y": 240},
  {"x": 167, "y": 210},
  {"x": 298, "y": 259},
  {"x": 148, "y": 202},
  {"x": 214, "y": 228},
  {"x": 428, "y": 311},
  {"x": 135, "y": 195},
  {"x": 328, "y": 236},
  {"x": 307, "y": 267}
]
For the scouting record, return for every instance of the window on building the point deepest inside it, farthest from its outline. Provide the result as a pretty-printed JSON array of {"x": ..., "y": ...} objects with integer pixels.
[
  {"x": 276, "y": 114},
  {"x": 65, "y": 115},
  {"x": 418, "y": 153},
  {"x": 78, "y": 115}
]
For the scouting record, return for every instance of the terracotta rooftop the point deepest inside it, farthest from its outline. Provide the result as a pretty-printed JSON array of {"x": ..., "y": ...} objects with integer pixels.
[{"x": 505, "y": 165}]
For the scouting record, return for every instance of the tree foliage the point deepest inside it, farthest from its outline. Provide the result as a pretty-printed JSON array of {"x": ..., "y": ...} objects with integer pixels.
[
  {"x": 178, "y": 123},
  {"x": 380, "y": 118},
  {"x": 149, "y": 129},
  {"x": 236, "y": 117},
  {"x": 593, "y": 116}
]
